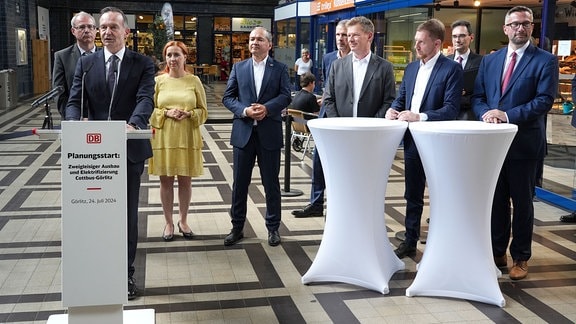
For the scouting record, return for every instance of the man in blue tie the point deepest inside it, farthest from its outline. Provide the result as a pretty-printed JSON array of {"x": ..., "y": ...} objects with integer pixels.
[
  {"x": 131, "y": 77},
  {"x": 517, "y": 85}
]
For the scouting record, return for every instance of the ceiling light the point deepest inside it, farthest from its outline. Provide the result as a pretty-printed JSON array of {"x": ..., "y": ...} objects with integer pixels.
[{"x": 476, "y": 3}]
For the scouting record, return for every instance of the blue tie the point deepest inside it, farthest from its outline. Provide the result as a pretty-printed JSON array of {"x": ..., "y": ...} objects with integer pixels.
[{"x": 112, "y": 71}]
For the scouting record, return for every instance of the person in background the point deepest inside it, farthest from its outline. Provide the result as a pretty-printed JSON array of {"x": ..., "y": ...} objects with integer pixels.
[
  {"x": 83, "y": 27},
  {"x": 316, "y": 205},
  {"x": 257, "y": 92},
  {"x": 179, "y": 110},
  {"x": 517, "y": 85},
  {"x": 431, "y": 89},
  {"x": 462, "y": 36},
  {"x": 303, "y": 64},
  {"x": 129, "y": 98},
  {"x": 305, "y": 100}
]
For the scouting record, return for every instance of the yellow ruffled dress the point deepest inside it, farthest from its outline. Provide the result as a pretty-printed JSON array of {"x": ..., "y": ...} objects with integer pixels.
[{"x": 177, "y": 145}]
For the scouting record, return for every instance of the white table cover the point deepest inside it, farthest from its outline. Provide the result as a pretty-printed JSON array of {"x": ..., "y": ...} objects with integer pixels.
[
  {"x": 356, "y": 155},
  {"x": 462, "y": 161}
]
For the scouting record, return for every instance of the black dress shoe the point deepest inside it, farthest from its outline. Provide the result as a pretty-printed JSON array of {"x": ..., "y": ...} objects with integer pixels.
[
  {"x": 132, "y": 289},
  {"x": 187, "y": 235},
  {"x": 273, "y": 238},
  {"x": 309, "y": 211},
  {"x": 568, "y": 218},
  {"x": 405, "y": 250},
  {"x": 233, "y": 237}
]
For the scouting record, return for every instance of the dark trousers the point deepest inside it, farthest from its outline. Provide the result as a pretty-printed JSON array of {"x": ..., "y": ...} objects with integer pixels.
[
  {"x": 134, "y": 172},
  {"x": 318, "y": 183},
  {"x": 516, "y": 182},
  {"x": 415, "y": 183},
  {"x": 269, "y": 165}
]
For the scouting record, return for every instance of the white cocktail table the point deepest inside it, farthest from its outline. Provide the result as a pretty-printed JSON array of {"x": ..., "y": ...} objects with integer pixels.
[
  {"x": 462, "y": 161},
  {"x": 356, "y": 155}
]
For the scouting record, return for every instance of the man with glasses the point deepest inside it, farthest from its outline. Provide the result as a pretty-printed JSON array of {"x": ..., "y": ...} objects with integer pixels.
[
  {"x": 83, "y": 27},
  {"x": 517, "y": 85},
  {"x": 462, "y": 36}
]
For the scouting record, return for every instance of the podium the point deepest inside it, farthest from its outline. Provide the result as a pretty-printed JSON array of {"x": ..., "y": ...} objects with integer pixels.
[
  {"x": 462, "y": 161},
  {"x": 94, "y": 229},
  {"x": 356, "y": 155}
]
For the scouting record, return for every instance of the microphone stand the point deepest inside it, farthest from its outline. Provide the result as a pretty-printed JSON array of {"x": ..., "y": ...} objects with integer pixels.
[{"x": 48, "y": 122}]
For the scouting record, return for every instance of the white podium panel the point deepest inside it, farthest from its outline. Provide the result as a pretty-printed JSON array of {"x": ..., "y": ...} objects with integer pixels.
[
  {"x": 356, "y": 155},
  {"x": 94, "y": 244},
  {"x": 462, "y": 161}
]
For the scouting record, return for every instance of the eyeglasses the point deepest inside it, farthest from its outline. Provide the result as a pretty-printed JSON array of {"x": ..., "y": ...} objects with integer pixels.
[
  {"x": 516, "y": 25},
  {"x": 82, "y": 27},
  {"x": 460, "y": 36}
]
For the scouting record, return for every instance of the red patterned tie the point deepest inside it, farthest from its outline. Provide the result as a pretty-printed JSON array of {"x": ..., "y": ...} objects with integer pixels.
[
  {"x": 459, "y": 59},
  {"x": 509, "y": 71}
]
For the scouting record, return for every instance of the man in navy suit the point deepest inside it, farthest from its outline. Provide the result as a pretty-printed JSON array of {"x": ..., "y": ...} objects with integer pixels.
[
  {"x": 462, "y": 37},
  {"x": 132, "y": 101},
  {"x": 431, "y": 90},
  {"x": 517, "y": 85},
  {"x": 257, "y": 91},
  {"x": 83, "y": 27},
  {"x": 316, "y": 205}
]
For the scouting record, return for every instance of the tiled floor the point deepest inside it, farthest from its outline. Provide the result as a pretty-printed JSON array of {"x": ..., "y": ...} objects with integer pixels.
[{"x": 201, "y": 281}]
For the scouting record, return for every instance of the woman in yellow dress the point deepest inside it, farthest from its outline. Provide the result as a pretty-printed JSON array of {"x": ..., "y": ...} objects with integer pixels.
[{"x": 179, "y": 110}]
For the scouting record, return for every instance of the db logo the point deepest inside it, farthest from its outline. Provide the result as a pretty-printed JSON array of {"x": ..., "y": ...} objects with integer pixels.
[{"x": 93, "y": 138}]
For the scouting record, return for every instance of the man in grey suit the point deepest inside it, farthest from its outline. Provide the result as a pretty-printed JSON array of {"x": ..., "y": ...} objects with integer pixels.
[
  {"x": 361, "y": 84},
  {"x": 83, "y": 27},
  {"x": 462, "y": 36}
]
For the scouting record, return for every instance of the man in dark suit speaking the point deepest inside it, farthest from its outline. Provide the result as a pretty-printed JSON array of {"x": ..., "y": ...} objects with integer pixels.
[
  {"x": 83, "y": 27},
  {"x": 257, "y": 91},
  {"x": 517, "y": 85},
  {"x": 118, "y": 85},
  {"x": 431, "y": 89}
]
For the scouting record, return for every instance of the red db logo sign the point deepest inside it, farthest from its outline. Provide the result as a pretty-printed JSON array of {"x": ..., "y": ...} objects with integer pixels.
[{"x": 93, "y": 138}]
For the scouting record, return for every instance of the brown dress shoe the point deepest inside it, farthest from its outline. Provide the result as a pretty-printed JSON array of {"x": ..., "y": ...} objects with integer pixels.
[
  {"x": 501, "y": 261},
  {"x": 519, "y": 270}
]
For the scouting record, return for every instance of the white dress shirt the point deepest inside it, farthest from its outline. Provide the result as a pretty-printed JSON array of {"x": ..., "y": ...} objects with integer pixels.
[
  {"x": 359, "y": 67},
  {"x": 422, "y": 78}
]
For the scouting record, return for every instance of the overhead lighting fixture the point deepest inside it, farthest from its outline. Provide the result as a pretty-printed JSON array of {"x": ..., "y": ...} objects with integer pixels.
[
  {"x": 140, "y": 17},
  {"x": 437, "y": 6},
  {"x": 456, "y": 3},
  {"x": 476, "y": 3},
  {"x": 414, "y": 14}
]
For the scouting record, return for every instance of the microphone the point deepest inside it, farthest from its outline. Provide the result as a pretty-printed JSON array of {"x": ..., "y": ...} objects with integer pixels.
[
  {"x": 113, "y": 90},
  {"x": 48, "y": 96},
  {"x": 82, "y": 93}
]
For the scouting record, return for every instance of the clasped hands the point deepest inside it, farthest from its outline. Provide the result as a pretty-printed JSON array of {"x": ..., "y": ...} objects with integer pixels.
[
  {"x": 177, "y": 114},
  {"x": 405, "y": 115},
  {"x": 494, "y": 116},
  {"x": 256, "y": 111}
]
